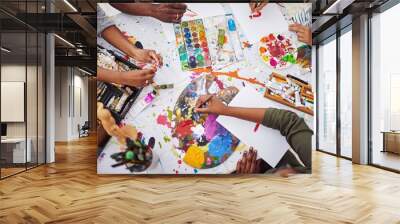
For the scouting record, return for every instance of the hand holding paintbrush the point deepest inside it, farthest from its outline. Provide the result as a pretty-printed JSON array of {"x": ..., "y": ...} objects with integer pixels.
[
  {"x": 256, "y": 7},
  {"x": 209, "y": 104}
]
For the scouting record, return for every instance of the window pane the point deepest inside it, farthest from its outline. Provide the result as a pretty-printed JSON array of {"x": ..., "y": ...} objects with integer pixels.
[
  {"x": 385, "y": 83},
  {"x": 327, "y": 97},
  {"x": 346, "y": 94}
]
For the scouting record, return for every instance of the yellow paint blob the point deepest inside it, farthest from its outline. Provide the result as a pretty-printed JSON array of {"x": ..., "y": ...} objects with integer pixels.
[{"x": 194, "y": 156}]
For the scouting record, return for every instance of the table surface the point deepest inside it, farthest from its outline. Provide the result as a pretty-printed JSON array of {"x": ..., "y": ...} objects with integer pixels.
[{"x": 150, "y": 32}]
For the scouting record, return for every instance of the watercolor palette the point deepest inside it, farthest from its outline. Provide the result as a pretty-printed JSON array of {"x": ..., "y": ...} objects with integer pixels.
[
  {"x": 277, "y": 51},
  {"x": 199, "y": 139},
  {"x": 192, "y": 44}
]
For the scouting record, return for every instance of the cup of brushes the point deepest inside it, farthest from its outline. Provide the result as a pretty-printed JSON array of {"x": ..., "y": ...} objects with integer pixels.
[{"x": 138, "y": 156}]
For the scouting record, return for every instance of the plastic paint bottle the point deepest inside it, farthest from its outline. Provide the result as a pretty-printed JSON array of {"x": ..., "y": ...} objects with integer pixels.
[{"x": 233, "y": 34}]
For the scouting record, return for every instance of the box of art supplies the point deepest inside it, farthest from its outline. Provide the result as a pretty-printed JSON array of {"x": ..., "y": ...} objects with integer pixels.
[
  {"x": 117, "y": 98},
  {"x": 291, "y": 91}
]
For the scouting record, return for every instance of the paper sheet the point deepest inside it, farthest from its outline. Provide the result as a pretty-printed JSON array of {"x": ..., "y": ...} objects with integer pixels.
[
  {"x": 202, "y": 9},
  {"x": 270, "y": 21},
  {"x": 269, "y": 143}
]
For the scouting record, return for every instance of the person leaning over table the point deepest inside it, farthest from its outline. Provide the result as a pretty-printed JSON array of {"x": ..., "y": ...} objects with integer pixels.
[
  {"x": 165, "y": 12},
  {"x": 290, "y": 125},
  {"x": 107, "y": 29}
]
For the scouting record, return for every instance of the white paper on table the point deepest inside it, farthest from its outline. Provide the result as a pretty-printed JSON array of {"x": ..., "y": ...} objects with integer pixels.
[
  {"x": 202, "y": 9},
  {"x": 269, "y": 143},
  {"x": 270, "y": 21}
]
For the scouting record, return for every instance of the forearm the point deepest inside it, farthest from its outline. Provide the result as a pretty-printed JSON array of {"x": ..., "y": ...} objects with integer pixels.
[
  {"x": 138, "y": 9},
  {"x": 250, "y": 114},
  {"x": 114, "y": 36},
  {"x": 109, "y": 76}
]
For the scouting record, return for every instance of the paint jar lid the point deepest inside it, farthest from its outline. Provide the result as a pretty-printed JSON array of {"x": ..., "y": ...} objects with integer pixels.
[{"x": 231, "y": 25}]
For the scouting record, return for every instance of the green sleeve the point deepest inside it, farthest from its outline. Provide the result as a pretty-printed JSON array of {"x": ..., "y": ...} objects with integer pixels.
[{"x": 297, "y": 134}]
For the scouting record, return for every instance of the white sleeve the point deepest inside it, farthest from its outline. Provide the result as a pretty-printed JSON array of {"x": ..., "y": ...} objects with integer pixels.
[{"x": 103, "y": 21}]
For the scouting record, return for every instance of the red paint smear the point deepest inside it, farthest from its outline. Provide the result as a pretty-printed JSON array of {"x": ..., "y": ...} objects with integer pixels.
[
  {"x": 255, "y": 15},
  {"x": 163, "y": 120},
  {"x": 219, "y": 83},
  {"x": 184, "y": 128},
  {"x": 179, "y": 161},
  {"x": 233, "y": 74}
]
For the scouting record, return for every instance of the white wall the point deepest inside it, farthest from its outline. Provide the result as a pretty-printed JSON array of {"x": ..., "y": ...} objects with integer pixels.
[{"x": 70, "y": 83}]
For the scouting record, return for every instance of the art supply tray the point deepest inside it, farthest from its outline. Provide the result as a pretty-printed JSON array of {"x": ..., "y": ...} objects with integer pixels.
[{"x": 116, "y": 98}]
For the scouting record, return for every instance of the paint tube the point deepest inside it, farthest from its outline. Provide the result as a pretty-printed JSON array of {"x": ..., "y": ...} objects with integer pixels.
[{"x": 234, "y": 37}]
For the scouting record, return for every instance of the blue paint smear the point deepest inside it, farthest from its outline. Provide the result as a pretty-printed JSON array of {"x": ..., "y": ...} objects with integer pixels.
[{"x": 220, "y": 145}]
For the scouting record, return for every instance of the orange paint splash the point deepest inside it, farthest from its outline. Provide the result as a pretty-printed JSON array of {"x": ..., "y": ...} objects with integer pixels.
[{"x": 233, "y": 74}]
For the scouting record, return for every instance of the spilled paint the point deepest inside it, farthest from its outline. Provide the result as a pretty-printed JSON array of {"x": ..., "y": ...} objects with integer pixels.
[
  {"x": 233, "y": 74},
  {"x": 163, "y": 120}
]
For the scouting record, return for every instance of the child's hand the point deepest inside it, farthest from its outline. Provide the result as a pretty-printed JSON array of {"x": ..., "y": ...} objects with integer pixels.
[
  {"x": 257, "y": 6},
  {"x": 137, "y": 78},
  {"x": 209, "y": 104},
  {"x": 148, "y": 56},
  {"x": 169, "y": 12},
  {"x": 249, "y": 163},
  {"x": 304, "y": 33}
]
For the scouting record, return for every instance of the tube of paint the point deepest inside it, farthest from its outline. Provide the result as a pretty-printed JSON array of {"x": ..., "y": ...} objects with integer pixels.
[{"x": 234, "y": 37}]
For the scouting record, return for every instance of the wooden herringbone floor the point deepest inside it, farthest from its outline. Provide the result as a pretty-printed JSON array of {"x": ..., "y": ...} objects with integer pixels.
[{"x": 70, "y": 191}]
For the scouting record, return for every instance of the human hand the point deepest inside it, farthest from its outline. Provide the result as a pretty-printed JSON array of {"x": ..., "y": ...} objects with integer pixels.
[
  {"x": 212, "y": 103},
  {"x": 249, "y": 163},
  {"x": 148, "y": 56},
  {"x": 257, "y": 6},
  {"x": 303, "y": 33},
  {"x": 169, "y": 12},
  {"x": 137, "y": 78},
  {"x": 285, "y": 172}
]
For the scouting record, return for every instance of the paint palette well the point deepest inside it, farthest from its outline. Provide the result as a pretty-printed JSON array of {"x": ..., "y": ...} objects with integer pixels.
[
  {"x": 192, "y": 44},
  {"x": 199, "y": 140},
  {"x": 277, "y": 51}
]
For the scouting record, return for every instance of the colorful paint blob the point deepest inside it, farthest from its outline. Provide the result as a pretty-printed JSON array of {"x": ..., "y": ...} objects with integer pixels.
[
  {"x": 277, "y": 51},
  {"x": 201, "y": 141}
]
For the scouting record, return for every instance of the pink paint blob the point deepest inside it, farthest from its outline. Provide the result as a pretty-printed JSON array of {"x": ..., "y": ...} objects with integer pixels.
[
  {"x": 219, "y": 83},
  {"x": 163, "y": 120},
  {"x": 273, "y": 62}
]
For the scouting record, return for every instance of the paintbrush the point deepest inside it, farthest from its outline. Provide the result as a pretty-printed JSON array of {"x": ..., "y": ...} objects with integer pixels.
[{"x": 205, "y": 101}]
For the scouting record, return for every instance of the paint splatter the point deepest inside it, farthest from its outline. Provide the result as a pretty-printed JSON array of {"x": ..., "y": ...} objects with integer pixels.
[
  {"x": 233, "y": 74},
  {"x": 246, "y": 44},
  {"x": 163, "y": 120},
  {"x": 195, "y": 171},
  {"x": 167, "y": 139}
]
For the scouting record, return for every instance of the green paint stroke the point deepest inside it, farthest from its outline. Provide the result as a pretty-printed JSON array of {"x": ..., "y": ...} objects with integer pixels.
[
  {"x": 289, "y": 58},
  {"x": 167, "y": 139},
  {"x": 169, "y": 114}
]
